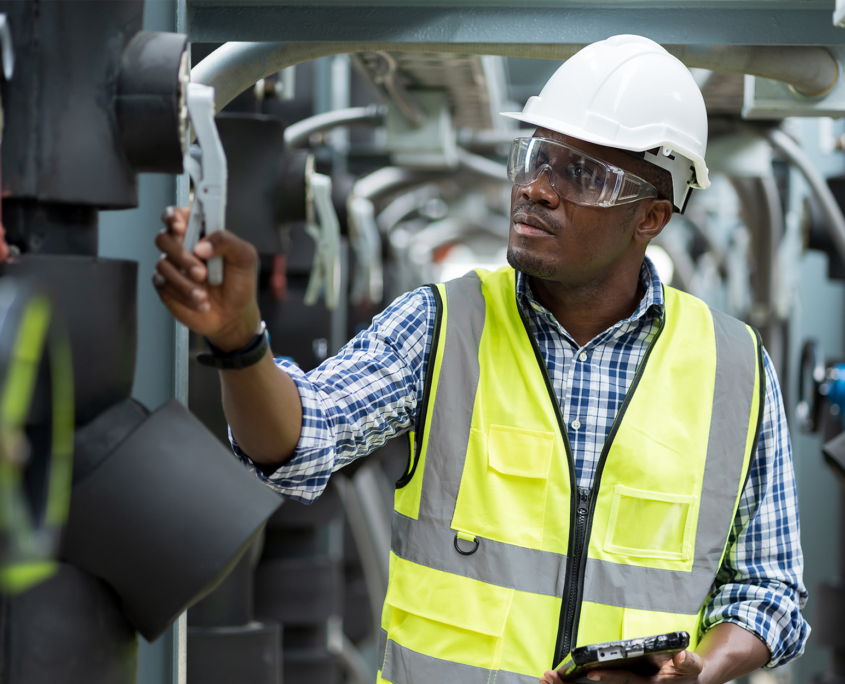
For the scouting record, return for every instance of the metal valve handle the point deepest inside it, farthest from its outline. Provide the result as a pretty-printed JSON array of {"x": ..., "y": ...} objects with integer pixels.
[
  {"x": 209, "y": 174},
  {"x": 368, "y": 282},
  {"x": 322, "y": 224}
]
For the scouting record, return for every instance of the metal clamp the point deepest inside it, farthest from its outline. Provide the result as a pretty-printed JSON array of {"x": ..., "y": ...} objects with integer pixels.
[
  {"x": 811, "y": 375},
  {"x": 368, "y": 280},
  {"x": 206, "y": 165},
  {"x": 466, "y": 553},
  {"x": 322, "y": 224},
  {"x": 6, "y": 47}
]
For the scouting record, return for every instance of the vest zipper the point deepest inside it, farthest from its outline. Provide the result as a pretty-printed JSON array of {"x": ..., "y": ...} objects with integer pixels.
[
  {"x": 570, "y": 587},
  {"x": 570, "y": 628},
  {"x": 583, "y": 505},
  {"x": 571, "y": 598}
]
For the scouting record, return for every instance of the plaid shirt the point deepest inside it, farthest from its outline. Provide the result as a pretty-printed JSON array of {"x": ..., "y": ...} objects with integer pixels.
[{"x": 370, "y": 392}]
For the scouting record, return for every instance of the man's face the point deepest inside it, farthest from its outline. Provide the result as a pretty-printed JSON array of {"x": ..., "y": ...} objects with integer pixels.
[{"x": 554, "y": 239}]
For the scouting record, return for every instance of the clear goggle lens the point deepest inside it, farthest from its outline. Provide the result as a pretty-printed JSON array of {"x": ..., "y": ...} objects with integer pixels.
[{"x": 575, "y": 176}]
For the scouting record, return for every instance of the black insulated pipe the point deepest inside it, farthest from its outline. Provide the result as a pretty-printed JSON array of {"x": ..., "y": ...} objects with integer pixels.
[
  {"x": 160, "y": 510},
  {"x": 150, "y": 104},
  {"x": 266, "y": 181},
  {"x": 98, "y": 298},
  {"x": 68, "y": 630},
  {"x": 50, "y": 227}
]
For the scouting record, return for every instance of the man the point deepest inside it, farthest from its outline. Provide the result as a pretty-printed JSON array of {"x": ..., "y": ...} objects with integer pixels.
[{"x": 594, "y": 456}]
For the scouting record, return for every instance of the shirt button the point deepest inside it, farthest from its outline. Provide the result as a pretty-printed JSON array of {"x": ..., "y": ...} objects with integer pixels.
[
  {"x": 583, "y": 356},
  {"x": 576, "y": 424}
]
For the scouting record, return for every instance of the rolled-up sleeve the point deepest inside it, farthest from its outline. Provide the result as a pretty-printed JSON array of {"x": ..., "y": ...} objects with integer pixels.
[
  {"x": 760, "y": 586},
  {"x": 357, "y": 400}
]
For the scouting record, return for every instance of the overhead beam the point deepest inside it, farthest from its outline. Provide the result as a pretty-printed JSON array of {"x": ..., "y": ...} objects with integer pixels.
[{"x": 761, "y": 23}]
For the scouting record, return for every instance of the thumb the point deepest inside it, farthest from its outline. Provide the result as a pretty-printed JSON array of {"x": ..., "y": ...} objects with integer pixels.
[
  {"x": 235, "y": 251},
  {"x": 688, "y": 662}
]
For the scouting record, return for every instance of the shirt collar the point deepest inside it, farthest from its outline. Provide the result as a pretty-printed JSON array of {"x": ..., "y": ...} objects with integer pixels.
[{"x": 652, "y": 302}]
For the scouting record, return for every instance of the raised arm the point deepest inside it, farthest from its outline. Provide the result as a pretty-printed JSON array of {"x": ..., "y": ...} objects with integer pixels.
[{"x": 261, "y": 402}]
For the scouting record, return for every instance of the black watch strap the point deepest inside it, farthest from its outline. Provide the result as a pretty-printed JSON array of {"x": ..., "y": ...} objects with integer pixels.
[{"x": 244, "y": 357}]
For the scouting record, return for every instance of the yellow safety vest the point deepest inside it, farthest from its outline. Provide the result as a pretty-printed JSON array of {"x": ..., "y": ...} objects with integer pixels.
[{"x": 499, "y": 565}]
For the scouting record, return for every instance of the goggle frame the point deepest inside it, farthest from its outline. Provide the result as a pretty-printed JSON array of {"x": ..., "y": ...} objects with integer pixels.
[{"x": 618, "y": 186}]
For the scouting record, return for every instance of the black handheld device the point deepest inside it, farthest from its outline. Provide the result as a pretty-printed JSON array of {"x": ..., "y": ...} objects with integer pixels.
[{"x": 644, "y": 656}]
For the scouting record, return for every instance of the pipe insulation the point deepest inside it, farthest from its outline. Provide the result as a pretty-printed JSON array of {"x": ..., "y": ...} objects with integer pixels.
[
  {"x": 798, "y": 158},
  {"x": 812, "y": 71},
  {"x": 236, "y": 66}
]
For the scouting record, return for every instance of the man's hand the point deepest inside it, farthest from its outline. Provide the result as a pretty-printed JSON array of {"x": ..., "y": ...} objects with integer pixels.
[
  {"x": 684, "y": 668},
  {"x": 726, "y": 652},
  {"x": 227, "y": 315}
]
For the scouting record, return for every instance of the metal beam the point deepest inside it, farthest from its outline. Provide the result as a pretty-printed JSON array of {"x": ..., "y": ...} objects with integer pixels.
[{"x": 760, "y": 23}]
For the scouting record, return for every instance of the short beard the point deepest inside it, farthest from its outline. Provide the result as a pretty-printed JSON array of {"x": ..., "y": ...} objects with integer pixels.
[{"x": 529, "y": 264}]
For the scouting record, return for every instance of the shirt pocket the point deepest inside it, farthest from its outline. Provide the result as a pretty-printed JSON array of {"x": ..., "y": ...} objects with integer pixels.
[
  {"x": 504, "y": 485},
  {"x": 444, "y": 616},
  {"x": 646, "y": 524}
]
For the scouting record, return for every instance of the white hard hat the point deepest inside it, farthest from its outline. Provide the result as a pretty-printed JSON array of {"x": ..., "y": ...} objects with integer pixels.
[{"x": 627, "y": 92}]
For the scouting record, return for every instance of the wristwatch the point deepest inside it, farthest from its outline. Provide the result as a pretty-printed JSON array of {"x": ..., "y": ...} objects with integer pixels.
[{"x": 244, "y": 357}]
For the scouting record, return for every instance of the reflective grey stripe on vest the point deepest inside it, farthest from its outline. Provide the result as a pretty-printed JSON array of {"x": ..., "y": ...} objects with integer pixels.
[
  {"x": 456, "y": 387},
  {"x": 382, "y": 646},
  {"x": 494, "y": 563},
  {"x": 404, "y": 666},
  {"x": 685, "y": 592},
  {"x": 733, "y": 396}
]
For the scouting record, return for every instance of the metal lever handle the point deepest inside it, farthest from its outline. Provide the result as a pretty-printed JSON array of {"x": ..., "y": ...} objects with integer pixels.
[
  {"x": 209, "y": 174},
  {"x": 368, "y": 283},
  {"x": 324, "y": 226},
  {"x": 8, "y": 51}
]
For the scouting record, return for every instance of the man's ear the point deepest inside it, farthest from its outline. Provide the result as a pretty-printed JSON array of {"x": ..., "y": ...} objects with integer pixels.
[{"x": 656, "y": 214}]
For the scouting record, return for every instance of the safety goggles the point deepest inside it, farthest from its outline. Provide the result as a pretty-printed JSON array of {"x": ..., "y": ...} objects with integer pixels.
[{"x": 575, "y": 175}]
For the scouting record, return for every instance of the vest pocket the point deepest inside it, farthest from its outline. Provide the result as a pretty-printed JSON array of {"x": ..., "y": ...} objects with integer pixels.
[
  {"x": 503, "y": 488},
  {"x": 646, "y": 524},
  {"x": 444, "y": 616}
]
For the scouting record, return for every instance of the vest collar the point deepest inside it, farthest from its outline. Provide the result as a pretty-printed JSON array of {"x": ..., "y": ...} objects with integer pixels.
[{"x": 650, "y": 308}]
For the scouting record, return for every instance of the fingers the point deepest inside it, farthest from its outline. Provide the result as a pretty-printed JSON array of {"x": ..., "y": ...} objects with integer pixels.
[
  {"x": 169, "y": 281},
  {"x": 176, "y": 220},
  {"x": 684, "y": 666},
  {"x": 236, "y": 252},
  {"x": 181, "y": 258},
  {"x": 616, "y": 677},
  {"x": 551, "y": 677}
]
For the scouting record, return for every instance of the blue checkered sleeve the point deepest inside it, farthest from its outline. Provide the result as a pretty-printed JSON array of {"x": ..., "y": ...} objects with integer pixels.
[
  {"x": 759, "y": 586},
  {"x": 357, "y": 400}
]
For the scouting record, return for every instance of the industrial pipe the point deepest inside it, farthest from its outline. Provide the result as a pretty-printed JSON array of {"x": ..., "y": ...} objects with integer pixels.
[
  {"x": 482, "y": 165},
  {"x": 491, "y": 138},
  {"x": 391, "y": 178},
  {"x": 812, "y": 71},
  {"x": 236, "y": 66},
  {"x": 299, "y": 132},
  {"x": 796, "y": 156}
]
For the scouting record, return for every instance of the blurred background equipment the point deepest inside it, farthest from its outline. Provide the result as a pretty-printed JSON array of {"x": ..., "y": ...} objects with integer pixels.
[{"x": 157, "y": 512}]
